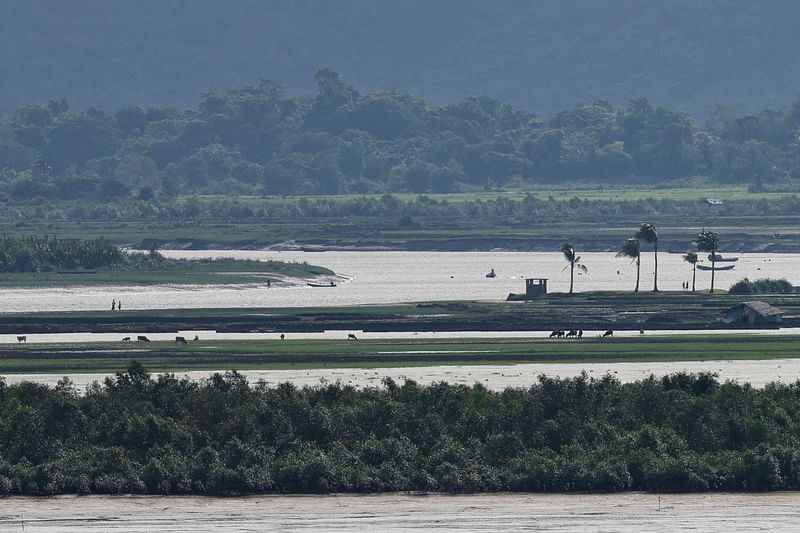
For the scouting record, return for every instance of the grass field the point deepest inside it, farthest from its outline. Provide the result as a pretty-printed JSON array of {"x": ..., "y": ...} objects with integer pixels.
[{"x": 294, "y": 354}]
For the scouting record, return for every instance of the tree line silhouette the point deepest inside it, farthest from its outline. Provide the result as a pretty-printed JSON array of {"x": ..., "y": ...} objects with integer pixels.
[{"x": 160, "y": 434}]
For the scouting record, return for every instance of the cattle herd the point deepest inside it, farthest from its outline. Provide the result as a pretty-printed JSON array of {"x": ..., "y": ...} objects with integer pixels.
[{"x": 578, "y": 333}]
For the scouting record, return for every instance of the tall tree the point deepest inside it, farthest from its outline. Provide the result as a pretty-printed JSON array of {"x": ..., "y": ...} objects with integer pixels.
[
  {"x": 708, "y": 241},
  {"x": 648, "y": 233},
  {"x": 574, "y": 260},
  {"x": 630, "y": 248},
  {"x": 691, "y": 258}
]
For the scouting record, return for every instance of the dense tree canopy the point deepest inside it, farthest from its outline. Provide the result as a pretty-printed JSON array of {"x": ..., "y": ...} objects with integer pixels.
[
  {"x": 258, "y": 140},
  {"x": 140, "y": 433}
]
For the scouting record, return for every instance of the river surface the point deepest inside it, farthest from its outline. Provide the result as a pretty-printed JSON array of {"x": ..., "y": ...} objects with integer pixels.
[
  {"x": 391, "y": 277},
  {"x": 629, "y": 512}
]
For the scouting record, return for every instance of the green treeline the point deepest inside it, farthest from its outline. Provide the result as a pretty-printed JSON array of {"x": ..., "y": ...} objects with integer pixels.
[
  {"x": 136, "y": 433},
  {"x": 257, "y": 140},
  {"x": 42, "y": 254}
]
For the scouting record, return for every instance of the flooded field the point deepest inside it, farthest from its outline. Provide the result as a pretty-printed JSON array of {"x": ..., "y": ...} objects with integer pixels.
[{"x": 625, "y": 512}]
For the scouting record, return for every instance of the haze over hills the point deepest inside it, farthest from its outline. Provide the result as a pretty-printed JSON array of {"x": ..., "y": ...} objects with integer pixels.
[{"x": 541, "y": 56}]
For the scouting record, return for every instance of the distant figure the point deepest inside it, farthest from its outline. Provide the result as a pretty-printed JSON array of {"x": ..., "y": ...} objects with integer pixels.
[
  {"x": 554, "y": 333},
  {"x": 119, "y": 305},
  {"x": 268, "y": 284},
  {"x": 180, "y": 340},
  {"x": 608, "y": 333},
  {"x": 580, "y": 333},
  {"x": 113, "y": 305},
  {"x": 641, "y": 332},
  {"x": 332, "y": 284},
  {"x": 142, "y": 338},
  {"x": 351, "y": 337},
  {"x": 196, "y": 338},
  {"x": 572, "y": 333},
  {"x": 283, "y": 336},
  {"x": 22, "y": 338},
  {"x": 126, "y": 339}
]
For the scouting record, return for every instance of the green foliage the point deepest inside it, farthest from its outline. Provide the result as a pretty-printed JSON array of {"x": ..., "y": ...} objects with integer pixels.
[
  {"x": 256, "y": 140},
  {"x": 745, "y": 286},
  {"x": 164, "y": 435},
  {"x": 38, "y": 254}
]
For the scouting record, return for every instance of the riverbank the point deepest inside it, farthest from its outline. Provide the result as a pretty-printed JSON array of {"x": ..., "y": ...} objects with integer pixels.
[{"x": 601, "y": 310}]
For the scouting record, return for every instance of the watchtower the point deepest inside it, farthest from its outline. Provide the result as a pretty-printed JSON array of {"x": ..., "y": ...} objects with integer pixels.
[{"x": 535, "y": 287}]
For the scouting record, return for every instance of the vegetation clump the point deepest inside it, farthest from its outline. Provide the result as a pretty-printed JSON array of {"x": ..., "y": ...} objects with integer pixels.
[
  {"x": 136, "y": 433},
  {"x": 745, "y": 286}
]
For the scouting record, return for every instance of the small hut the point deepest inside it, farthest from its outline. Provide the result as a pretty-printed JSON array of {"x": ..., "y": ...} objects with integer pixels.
[
  {"x": 756, "y": 312},
  {"x": 534, "y": 287}
]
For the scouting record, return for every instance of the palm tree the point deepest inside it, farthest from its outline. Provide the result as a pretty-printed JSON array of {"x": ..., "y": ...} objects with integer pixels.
[
  {"x": 708, "y": 241},
  {"x": 630, "y": 248},
  {"x": 648, "y": 233},
  {"x": 574, "y": 260},
  {"x": 691, "y": 258}
]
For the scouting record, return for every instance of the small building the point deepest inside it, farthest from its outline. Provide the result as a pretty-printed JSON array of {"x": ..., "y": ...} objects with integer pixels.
[
  {"x": 535, "y": 287},
  {"x": 753, "y": 313}
]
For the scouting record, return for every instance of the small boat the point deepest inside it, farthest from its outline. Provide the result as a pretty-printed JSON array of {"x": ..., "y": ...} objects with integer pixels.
[
  {"x": 721, "y": 267},
  {"x": 719, "y": 259},
  {"x": 331, "y": 284},
  {"x": 491, "y": 274}
]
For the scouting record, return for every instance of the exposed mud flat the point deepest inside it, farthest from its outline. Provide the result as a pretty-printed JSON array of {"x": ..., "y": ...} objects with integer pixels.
[
  {"x": 625, "y": 512},
  {"x": 494, "y": 377}
]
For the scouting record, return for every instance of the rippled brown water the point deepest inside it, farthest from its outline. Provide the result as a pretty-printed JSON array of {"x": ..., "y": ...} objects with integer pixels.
[{"x": 626, "y": 512}]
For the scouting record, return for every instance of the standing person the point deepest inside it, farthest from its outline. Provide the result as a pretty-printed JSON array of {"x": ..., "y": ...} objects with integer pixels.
[
  {"x": 119, "y": 305},
  {"x": 113, "y": 304}
]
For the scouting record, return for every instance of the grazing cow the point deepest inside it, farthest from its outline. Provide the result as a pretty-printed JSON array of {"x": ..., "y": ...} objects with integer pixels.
[
  {"x": 572, "y": 333},
  {"x": 608, "y": 333},
  {"x": 126, "y": 339},
  {"x": 283, "y": 336},
  {"x": 641, "y": 332},
  {"x": 560, "y": 333},
  {"x": 180, "y": 340},
  {"x": 554, "y": 334},
  {"x": 196, "y": 338},
  {"x": 22, "y": 338},
  {"x": 351, "y": 337},
  {"x": 142, "y": 338}
]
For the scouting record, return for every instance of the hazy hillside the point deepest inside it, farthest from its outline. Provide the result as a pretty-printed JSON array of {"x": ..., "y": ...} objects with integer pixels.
[{"x": 541, "y": 56}]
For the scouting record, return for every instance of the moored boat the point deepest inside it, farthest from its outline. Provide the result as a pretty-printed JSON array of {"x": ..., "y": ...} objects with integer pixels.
[
  {"x": 719, "y": 267},
  {"x": 719, "y": 259}
]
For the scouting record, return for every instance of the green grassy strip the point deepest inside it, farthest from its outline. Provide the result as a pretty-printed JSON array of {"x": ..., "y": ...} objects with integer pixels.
[{"x": 269, "y": 354}]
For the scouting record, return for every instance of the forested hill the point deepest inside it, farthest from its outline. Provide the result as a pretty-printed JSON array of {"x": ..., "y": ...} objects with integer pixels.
[
  {"x": 259, "y": 140},
  {"x": 540, "y": 56}
]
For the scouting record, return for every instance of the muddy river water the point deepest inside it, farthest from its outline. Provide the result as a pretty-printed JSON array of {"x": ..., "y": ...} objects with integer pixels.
[{"x": 625, "y": 512}]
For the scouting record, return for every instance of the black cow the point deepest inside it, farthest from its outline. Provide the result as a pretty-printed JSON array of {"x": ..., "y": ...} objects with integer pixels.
[
  {"x": 608, "y": 333},
  {"x": 180, "y": 340},
  {"x": 142, "y": 338}
]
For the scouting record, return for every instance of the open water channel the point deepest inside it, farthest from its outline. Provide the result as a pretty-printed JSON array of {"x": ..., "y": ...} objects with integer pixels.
[{"x": 389, "y": 277}]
